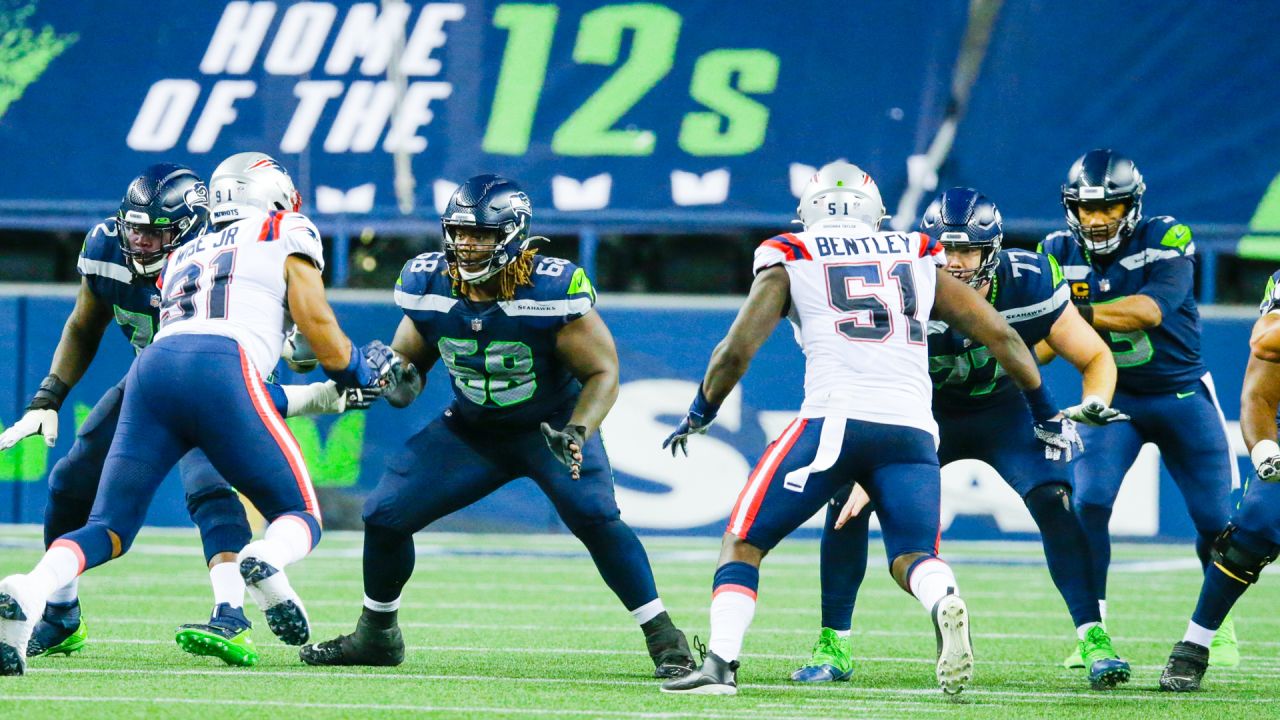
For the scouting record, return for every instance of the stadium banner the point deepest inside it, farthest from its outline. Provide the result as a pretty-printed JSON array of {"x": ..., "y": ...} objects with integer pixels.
[
  {"x": 663, "y": 351},
  {"x": 602, "y": 110}
]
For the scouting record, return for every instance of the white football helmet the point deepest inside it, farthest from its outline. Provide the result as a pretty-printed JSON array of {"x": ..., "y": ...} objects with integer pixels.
[
  {"x": 841, "y": 191},
  {"x": 250, "y": 180}
]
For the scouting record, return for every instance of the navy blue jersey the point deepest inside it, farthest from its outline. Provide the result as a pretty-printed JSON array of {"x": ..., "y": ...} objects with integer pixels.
[
  {"x": 1165, "y": 358},
  {"x": 1028, "y": 290},
  {"x": 501, "y": 354},
  {"x": 135, "y": 301}
]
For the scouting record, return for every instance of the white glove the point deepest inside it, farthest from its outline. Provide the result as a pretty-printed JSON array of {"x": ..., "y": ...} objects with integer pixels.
[
  {"x": 318, "y": 398},
  {"x": 297, "y": 352},
  {"x": 43, "y": 421},
  {"x": 1093, "y": 410},
  {"x": 1266, "y": 460}
]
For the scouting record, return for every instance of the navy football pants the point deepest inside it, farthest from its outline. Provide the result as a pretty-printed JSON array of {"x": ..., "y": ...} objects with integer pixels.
[{"x": 186, "y": 392}]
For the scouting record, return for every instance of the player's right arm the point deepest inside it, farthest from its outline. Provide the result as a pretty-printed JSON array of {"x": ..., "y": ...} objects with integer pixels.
[
  {"x": 765, "y": 306},
  {"x": 421, "y": 357},
  {"x": 1260, "y": 397},
  {"x": 341, "y": 360},
  {"x": 81, "y": 336},
  {"x": 1077, "y": 342}
]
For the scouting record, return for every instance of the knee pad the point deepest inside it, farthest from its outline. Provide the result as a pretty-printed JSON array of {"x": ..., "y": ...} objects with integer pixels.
[
  {"x": 1241, "y": 554},
  {"x": 1048, "y": 498}
]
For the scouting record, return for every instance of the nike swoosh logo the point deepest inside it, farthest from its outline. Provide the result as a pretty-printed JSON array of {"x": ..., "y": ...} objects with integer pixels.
[{"x": 1183, "y": 396}]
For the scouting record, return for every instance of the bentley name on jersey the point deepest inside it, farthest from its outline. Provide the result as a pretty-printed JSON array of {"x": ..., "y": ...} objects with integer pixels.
[
  {"x": 1030, "y": 292},
  {"x": 135, "y": 301},
  {"x": 859, "y": 303},
  {"x": 231, "y": 283},
  {"x": 500, "y": 354}
]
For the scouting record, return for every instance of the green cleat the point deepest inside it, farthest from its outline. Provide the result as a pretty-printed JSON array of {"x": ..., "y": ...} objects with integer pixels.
[
  {"x": 233, "y": 647},
  {"x": 1075, "y": 660},
  {"x": 50, "y": 639},
  {"x": 832, "y": 660},
  {"x": 1224, "y": 651},
  {"x": 1106, "y": 669}
]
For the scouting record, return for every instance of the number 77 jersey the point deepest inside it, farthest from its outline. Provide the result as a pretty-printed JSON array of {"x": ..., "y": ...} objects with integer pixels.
[
  {"x": 231, "y": 283},
  {"x": 860, "y": 303}
]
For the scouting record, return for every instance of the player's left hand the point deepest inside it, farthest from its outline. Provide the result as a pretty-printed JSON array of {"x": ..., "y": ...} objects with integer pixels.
[
  {"x": 858, "y": 499},
  {"x": 1061, "y": 441},
  {"x": 1266, "y": 460},
  {"x": 566, "y": 445},
  {"x": 1094, "y": 411},
  {"x": 695, "y": 422}
]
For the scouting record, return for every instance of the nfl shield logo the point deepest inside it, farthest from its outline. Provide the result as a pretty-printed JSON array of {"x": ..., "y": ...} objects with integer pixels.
[
  {"x": 1104, "y": 285},
  {"x": 476, "y": 324},
  {"x": 155, "y": 301}
]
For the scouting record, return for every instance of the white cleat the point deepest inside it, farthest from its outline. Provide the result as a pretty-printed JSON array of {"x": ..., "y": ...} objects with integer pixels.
[
  {"x": 955, "y": 648},
  {"x": 19, "y": 611},
  {"x": 270, "y": 589}
]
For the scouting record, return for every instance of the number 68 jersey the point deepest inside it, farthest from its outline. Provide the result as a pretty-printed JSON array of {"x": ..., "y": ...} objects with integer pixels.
[
  {"x": 231, "y": 283},
  {"x": 860, "y": 303}
]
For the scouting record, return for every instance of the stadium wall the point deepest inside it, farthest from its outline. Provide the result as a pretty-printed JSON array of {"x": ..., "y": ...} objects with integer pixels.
[{"x": 663, "y": 347}]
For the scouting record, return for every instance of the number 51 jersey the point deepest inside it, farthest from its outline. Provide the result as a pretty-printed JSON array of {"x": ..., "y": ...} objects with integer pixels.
[
  {"x": 860, "y": 303},
  {"x": 231, "y": 283}
]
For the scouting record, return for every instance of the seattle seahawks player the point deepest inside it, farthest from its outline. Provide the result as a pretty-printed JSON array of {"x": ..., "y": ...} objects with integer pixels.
[
  {"x": 533, "y": 367},
  {"x": 859, "y": 300},
  {"x": 1131, "y": 277},
  {"x": 981, "y": 416},
  {"x": 222, "y": 323},
  {"x": 1252, "y": 538}
]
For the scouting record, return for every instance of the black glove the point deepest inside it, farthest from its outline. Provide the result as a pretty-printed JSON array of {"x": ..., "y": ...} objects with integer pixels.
[
  {"x": 362, "y": 398},
  {"x": 566, "y": 445}
]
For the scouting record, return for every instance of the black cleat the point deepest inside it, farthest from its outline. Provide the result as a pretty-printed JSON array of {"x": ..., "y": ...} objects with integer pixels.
[
  {"x": 716, "y": 677},
  {"x": 368, "y": 645},
  {"x": 1185, "y": 669},
  {"x": 670, "y": 652}
]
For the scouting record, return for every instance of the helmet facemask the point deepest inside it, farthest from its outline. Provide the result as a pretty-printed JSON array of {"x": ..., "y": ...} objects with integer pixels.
[
  {"x": 483, "y": 251},
  {"x": 159, "y": 238},
  {"x": 1103, "y": 238},
  {"x": 979, "y": 276}
]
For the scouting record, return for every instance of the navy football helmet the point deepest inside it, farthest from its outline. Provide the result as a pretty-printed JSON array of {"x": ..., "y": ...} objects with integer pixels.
[
  {"x": 1103, "y": 177},
  {"x": 494, "y": 207},
  {"x": 164, "y": 207},
  {"x": 963, "y": 218}
]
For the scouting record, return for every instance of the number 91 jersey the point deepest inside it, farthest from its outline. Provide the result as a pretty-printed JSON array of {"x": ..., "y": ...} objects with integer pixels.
[
  {"x": 860, "y": 301},
  {"x": 501, "y": 355},
  {"x": 231, "y": 283}
]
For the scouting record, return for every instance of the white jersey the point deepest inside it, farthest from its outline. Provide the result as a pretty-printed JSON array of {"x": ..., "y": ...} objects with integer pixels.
[
  {"x": 231, "y": 283},
  {"x": 860, "y": 303}
]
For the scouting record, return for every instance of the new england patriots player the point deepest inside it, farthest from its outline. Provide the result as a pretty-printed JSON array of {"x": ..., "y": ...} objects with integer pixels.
[
  {"x": 164, "y": 206},
  {"x": 981, "y": 416},
  {"x": 859, "y": 300},
  {"x": 1252, "y": 538},
  {"x": 1131, "y": 277},
  {"x": 532, "y": 367},
  {"x": 222, "y": 321}
]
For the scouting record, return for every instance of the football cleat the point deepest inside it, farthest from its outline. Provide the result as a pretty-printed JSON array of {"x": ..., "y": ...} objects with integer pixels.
[
  {"x": 1185, "y": 669},
  {"x": 670, "y": 653},
  {"x": 270, "y": 589},
  {"x": 832, "y": 660},
  {"x": 1106, "y": 669},
  {"x": 225, "y": 636},
  {"x": 18, "y": 613},
  {"x": 716, "y": 677},
  {"x": 1224, "y": 651},
  {"x": 59, "y": 631},
  {"x": 368, "y": 645},
  {"x": 1074, "y": 661},
  {"x": 955, "y": 649}
]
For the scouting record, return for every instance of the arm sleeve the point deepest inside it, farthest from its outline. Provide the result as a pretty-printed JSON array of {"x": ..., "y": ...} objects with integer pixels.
[{"x": 1170, "y": 282}]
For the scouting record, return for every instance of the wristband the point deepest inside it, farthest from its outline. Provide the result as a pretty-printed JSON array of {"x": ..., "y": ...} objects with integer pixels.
[
  {"x": 1263, "y": 451},
  {"x": 50, "y": 395},
  {"x": 1086, "y": 312},
  {"x": 702, "y": 407},
  {"x": 348, "y": 376},
  {"x": 1041, "y": 403}
]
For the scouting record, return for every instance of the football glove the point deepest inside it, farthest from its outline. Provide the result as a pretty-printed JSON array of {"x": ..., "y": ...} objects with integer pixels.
[
  {"x": 1094, "y": 411},
  {"x": 696, "y": 422},
  {"x": 566, "y": 445},
  {"x": 405, "y": 385},
  {"x": 369, "y": 366},
  {"x": 41, "y": 416},
  {"x": 1060, "y": 439},
  {"x": 298, "y": 354},
  {"x": 1266, "y": 460}
]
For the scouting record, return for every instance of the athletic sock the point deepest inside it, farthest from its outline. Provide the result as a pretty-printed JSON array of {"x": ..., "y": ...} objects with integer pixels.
[
  {"x": 228, "y": 585},
  {"x": 733, "y": 604},
  {"x": 842, "y": 567},
  {"x": 381, "y": 607},
  {"x": 1063, "y": 538},
  {"x": 648, "y": 612},
  {"x": 930, "y": 580},
  {"x": 1218, "y": 594},
  {"x": 288, "y": 539},
  {"x": 1102, "y": 610},
  {"x": 1082, "y": 630},
  {"x": 68, "y": 593},
  {"x": 844, "y": 633},
  {"x": 1198, "y": 634},
  {"x": 60, "y": 565},
  {"x": 1096, "y": 521}
]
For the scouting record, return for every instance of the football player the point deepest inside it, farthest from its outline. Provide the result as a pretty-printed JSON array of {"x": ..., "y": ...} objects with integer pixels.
[
  {"x": 859, "y": 300},
  {"x": 1131, "y": 278},
  {"x": 163, "y": 207},
  {"x": 981, "y": 416},
  {"x": 1252, "y": 538},
  {"x": 534, "y": 372},
  {"x": 198, "y": 386}
]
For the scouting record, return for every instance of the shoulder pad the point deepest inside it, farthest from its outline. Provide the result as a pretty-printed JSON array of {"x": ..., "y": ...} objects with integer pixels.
[
  {"x": 297, "y": 232},
  {"x": 779, "y": 249},
  {"x": 418, "y": 272},
  {"x": 1031, "y": 286},
  {"x": 1167, "y": 233},
  {"x": 101, "y": 254},
  {"x": 1052, "y": 243}
]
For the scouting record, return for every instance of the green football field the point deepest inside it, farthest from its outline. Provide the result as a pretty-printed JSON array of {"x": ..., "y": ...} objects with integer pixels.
[{"x": 522, "y": 627}]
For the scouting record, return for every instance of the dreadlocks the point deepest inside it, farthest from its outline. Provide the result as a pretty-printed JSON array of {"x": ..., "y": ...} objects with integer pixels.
[{"x": 518, "y": 273}]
